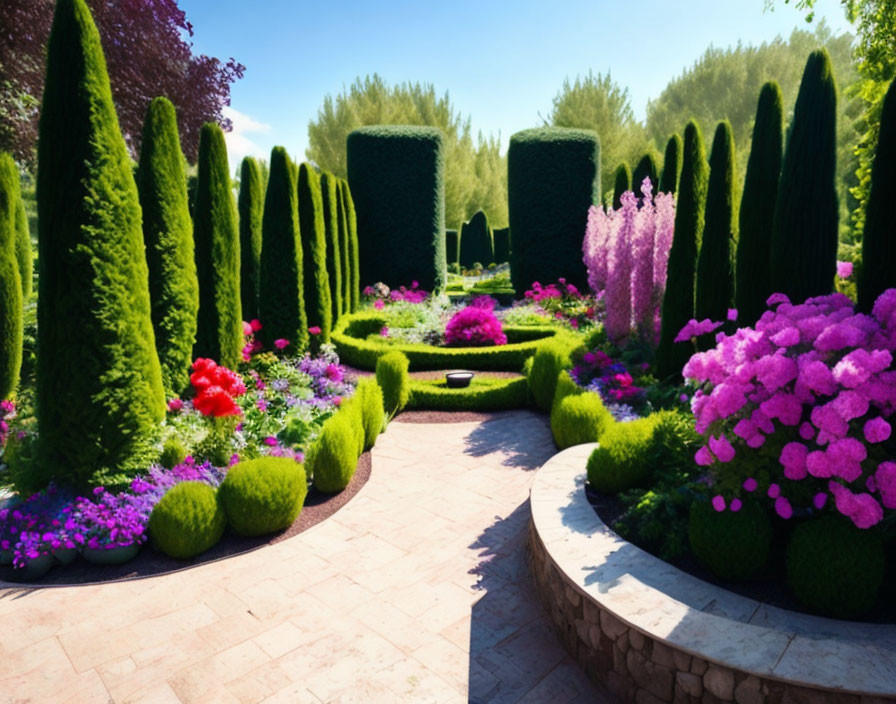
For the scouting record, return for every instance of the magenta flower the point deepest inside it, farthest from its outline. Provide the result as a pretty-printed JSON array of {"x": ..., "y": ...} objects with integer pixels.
[
  {"x": 695, "y": 328},
  {"x": 844, "y": 269},
  {"x": 175, "y": 405},
  {"x": 281, "y": 343}
]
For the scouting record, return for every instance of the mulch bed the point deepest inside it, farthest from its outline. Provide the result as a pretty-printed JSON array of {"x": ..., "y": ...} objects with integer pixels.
[{"x": 149, "y": 563}]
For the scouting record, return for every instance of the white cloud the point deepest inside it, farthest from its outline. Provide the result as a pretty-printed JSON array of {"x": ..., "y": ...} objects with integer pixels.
[{"x": 239, "y": 145}]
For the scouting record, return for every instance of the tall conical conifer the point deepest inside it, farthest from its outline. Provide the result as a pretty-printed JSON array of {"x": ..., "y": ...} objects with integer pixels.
[
  {"x": 805, "y": 231},
  {"x": 24, "y": 255},
  {"x": 621, "y": 184},
  {"x": 318, "y": 305},
  {"x": 250, "y": 206},
  {"x": 715, "y": 264},
  {"x": 757, "y": 208},
  {"x": 878, "y": 272},
  {"x": 168, "y": 236},
  {"x": 330, "y": 192},
  {"x": 646, "y": 168},
  {"x": 671, "y": 165},
  {"x": 219, "y": 333},
  {"x": 281, "y": 298},
  {"x": 10, "y": 282},
  {"x": 99, "y": 384},
  {"x": 354, "y": 284},
  {"x": 678, "y": 301}
]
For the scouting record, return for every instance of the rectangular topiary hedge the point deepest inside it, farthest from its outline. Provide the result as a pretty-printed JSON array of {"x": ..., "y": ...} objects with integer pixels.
[{"x": 483, "y": 394}]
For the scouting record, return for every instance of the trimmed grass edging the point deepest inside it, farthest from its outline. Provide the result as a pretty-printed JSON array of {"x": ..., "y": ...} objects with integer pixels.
[{"x": 650, "y": 632}]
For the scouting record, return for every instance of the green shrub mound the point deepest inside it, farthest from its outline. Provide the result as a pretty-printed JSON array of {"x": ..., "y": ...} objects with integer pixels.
[
  {"x": 251, "y": 208},
  {"x": 452, "y": 247},
  {"x": 173, "y": 452},
  {"x": 329, "y": 189},
  {"x": 671, "y": 165},
  {"x": 358, "y": 343},
  {"x": 372, "y": 410},
  {"x": 263, "y": 495},
  {"x": 99, "y": 390},
  {"x": 622, "y": 460},
  {"x": 476, "y": 245},
  {"x": 392, "y": 376},
  {"x": 187, "y": 521},
  {"x": 501, "y": 239},
  {"x": 835, "y": 568},
  {"x": 397, "y": 179},
  {"x": 318, "y": 304},
  {"x": 732, "y": 544},
  {"x": 483, "y": 394},
  {"x": 219, "y": 333},
  {"x": 552, "y": 357},
  {"x": 333, "y": 458},
  {"x": 11, "y": 321},
  {"x": 622, "y": 182},
  {"x": 352, "y": 408},
  {"x": 578, "y": 418},
  {"x": 553, "y": 177},
  {"x": 168, "y": 236},
  {"x": 24, "y": 253}
]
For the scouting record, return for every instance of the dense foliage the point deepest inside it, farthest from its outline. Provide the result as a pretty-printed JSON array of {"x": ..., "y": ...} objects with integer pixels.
[
  {"x": 312, "y": 232},
  {"x": 250, "y": 206}
]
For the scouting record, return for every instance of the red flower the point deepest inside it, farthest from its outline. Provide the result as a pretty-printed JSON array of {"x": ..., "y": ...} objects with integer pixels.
[{"x": 215, "y": 401}]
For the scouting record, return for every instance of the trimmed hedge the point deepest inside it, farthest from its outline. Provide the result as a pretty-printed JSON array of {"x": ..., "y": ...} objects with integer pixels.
[
  {"x": 620, "y": 462},
  {"x": 263, "y": 495},
  {"x": 397, "y": 179},
  {"x": 24, "y": 254},
  {"x": 99, "y": 390},
  {"x": 353, "y": 266},
  {"x": 501, "y": 239},
  {"x": 646, "y": 168},
  {"x": 392, "y": 376},
  {"x": 577, "y": 416},
  {"x": 553, "y": 177},
  {"x": 621, "y": 183},
  {"x": 476, "y": 244},
  {"x": 671, "y": 165},
  {"x": 251, "y": 210},
  {"x": 318, "y": 304},
  {"x": 354, "y": 349},
  {"x": 484, "y": 394},
  {"x": 187, "y": 521},
  {"x": 373, "y": 416},
  {"x": 168, "y": 236},
  {"x": 452, "y": 247},
  {"x": 11, "y": 321},
  {"x": 732, "y": 544},
  {"x": 329, "y": 189},
  {"x": 549, "y": 360},
  {"x": 333, "y": 458}
]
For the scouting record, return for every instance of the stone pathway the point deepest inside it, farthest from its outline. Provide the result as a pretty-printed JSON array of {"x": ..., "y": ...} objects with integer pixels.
[{"x": 416, "y": 591}]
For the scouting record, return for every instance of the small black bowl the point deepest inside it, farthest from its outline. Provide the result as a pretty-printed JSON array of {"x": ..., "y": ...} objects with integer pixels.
[{"x": 458, "y": 380}]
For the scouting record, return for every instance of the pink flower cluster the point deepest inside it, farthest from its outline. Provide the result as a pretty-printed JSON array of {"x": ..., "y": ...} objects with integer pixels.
[
  {"x": 475, "y": 325},
  {"x": 811, "y": 388},
  {"x": 626, "y": 252},
  {"x": 379, "y": 294}
]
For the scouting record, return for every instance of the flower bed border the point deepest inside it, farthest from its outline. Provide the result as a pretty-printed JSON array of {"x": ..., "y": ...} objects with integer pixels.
[
  {"x": 650, "y": 632},
  {"x": 358, "y": 352}
]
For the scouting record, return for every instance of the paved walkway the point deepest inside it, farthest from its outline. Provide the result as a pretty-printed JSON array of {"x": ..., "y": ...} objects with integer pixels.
[{"x": 416, "y": 591}]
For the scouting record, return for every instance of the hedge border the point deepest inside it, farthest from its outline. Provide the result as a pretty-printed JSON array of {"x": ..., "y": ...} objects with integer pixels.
[
  {"x": 355, "y": 351},
  {"x": 490, "y": 394}
]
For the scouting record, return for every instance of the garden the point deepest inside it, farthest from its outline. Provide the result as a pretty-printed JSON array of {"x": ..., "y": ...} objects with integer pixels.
[{"x": 186, "y": 369}]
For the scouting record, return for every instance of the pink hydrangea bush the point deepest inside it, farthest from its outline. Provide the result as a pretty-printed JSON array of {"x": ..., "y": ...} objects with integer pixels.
[
  {"x": 475, "y": 325},
  {"x": 800, "y": 408}
]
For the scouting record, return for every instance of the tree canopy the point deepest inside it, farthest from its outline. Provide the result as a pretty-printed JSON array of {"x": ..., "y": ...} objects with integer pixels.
[{"x": 148, "y": 54}]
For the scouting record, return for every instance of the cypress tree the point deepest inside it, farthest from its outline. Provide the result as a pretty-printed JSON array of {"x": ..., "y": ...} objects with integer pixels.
[
  {"x": 646, "y": 168},
  {"x": 219, "y": 333},
  {"x": 330, "y": 193},
  {"x": 715, "y": 265},
  {"x": 318, "y": 305},
  {"x": 757, "y": 207},
  {"x": 671, "y": 165},
  {"x": 678, "y": 301},
  {"x": 476, "y": 244},
  {"x": 24, "y": 255},
  {"x": 879, "y": 242},
  {"x": 344, "y": 249},
  {"x": 250, "y": 206},
  {"x": 805, "y": 230},
  {"x": 99, "y": 384},
  {"x": 351, "y": 219},
  {"x": 281, "y": 298},
  {"x": 10, "y": 282},
  {"x": 621, "y": 184},
  {"x": 168, "y": 237}
]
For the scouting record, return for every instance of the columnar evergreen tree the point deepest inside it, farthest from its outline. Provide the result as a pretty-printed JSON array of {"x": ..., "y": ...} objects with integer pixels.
[
  {"x": 344, "y": 248},
  {"x": 330, "y": 193},
  {"x": 168, "y": 237},
  {"x": 804, "y": 235},
  {"x": 99, "y": 383},
  {"x": 351, "y": 218},
  {"x": 621, "y": 184},
  {"x": 671, "y": 165},
  {"x": 757, "y": 207},
  {"x": 251, "y": 206},
  {"x": 10, "y": 282},
  {"x": 476, "y": 244},
  {"x": 678, "y": 301},
  {"x": 318, "y": 305},
  {"x": 219, "y": 333},
  {"x": 715, "y": 264},
  {"x": 281, "y": 299},
  {"x": 646, "y": 168},
  {"x": 879, "y": 242},
  {"x": 24, "y": 256}
]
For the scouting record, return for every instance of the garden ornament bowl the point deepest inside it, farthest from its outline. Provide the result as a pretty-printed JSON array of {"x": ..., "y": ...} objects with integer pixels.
[{"x": 458, "y": 380}]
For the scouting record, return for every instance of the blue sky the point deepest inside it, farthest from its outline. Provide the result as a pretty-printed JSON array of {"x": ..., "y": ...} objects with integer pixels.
[{"x": 502, "y": 62}]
